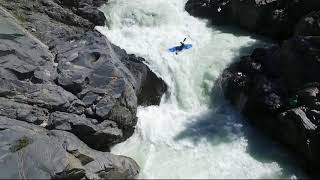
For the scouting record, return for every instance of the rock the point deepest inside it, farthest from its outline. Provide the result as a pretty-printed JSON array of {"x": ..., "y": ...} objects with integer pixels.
[
  {"x": 234, "y": 82},
  {"x": 22, "y": 56},
  {"x": 297, "y": 118},
  {"x": 92, "y": 14},
  {"x": 276, "y": 88},
  {"x": 314, "y": 116},
  {"x": 86, "y": 9},
  {"x": 97, "y": 135},
  {"x": 47, "y": 96},
  {"x": 45, "y": 16},
  {"x": 23, "y": 112},
  {"x": 149, "y": 86},
  {"x": 299, "y": 61},
  {"x": 274, "y": 18},
  {"x": 308, "y": 96},
  {"x": 68, "y": 78},
  {"x": 281, "y": 97},
  {"x": 299, "y": 131},
  {"x": 29, "y": 151},
  {"x": 90, "y": 69},
  {"x": 308, "y": 25},
  {"x": 64, "y": 15}
]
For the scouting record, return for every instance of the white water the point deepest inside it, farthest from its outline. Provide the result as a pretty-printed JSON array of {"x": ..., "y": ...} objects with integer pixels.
[{"x": 191, "y": 134}]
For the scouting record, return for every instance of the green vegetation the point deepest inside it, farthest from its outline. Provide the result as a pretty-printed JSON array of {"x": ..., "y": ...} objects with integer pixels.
[{"x": 20, "y": 143}]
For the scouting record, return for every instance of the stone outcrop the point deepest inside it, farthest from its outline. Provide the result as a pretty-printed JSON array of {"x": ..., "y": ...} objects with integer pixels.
[
  {"x": 32, "y": 152},
  {"x": 278, "y": 90},
  {"x": 277, "y": 87},
  {"x": 63, "y": 87},
  {"x": 274, "y": 18}
]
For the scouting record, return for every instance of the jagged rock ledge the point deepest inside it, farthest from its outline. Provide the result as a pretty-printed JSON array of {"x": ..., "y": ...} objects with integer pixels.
[
  {"x": 64, "y": 87},
  {"x": 277, "y": 88},
  {"x": 273, "y": 18}
]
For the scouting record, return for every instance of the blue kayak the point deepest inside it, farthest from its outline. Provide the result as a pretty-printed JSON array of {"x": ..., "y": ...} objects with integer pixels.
[{"x": 178, "y": 48}]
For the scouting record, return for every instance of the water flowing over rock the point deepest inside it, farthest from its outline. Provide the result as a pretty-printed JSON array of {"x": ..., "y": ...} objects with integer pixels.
[{"x": 61, "y": 80}]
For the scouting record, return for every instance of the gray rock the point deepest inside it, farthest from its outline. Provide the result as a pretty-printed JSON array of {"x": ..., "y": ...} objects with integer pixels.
[
  {"x": 71, "y": 80},
  {"x": 31, "y": 152},
  {"x": 87, "y": 9},
  {"x": 48, "y": 96},
  {"x": 22, "y": 56},
  {"x": 23, "y": 112},
  {"x": 89, "y": 68},
  {"x": 149, "y": 87},
  {"x": 97, "y": 135}
]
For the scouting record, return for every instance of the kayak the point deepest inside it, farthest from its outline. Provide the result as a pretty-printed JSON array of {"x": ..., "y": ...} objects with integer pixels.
[{"x": 177, "y": 48}]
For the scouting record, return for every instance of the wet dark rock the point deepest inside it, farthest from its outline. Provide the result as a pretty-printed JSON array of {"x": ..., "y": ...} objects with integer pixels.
[
  {"x": 309, "y": 25},
  {"x": 274, "y": 18},
  {"x": 299, "y": 60},
  {"x": 281, "y": 97},
  {"x": 277, "y": 87}
]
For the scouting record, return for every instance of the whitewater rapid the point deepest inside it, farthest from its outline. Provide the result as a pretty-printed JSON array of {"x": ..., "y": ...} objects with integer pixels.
[{"x": 193, "y": 133}]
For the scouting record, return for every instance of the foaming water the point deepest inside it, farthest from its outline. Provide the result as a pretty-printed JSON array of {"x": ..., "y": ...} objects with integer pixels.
[{"x": 191, "y": 134}]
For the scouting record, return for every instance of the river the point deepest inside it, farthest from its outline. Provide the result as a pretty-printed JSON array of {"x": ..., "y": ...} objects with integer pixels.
[{"x": 194, "y": 132}]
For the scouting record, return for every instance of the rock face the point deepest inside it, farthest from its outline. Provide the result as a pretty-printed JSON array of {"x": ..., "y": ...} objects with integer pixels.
[
  {"x": 278, "y": 90},
  {"x": 65, "y": 86},
  {"x": 274, "y": 18},
  {"x": 32, "y": 152}
]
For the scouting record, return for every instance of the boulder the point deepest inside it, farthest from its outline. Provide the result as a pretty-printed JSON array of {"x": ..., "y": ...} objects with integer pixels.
[
  {"x": 48, "y": 96},
  {"x": 308, "y": 96},
  {"x": 91, "y": 70},
  {"x": 97, "y": 135},
  {"x": 274, "y": 18},
  {"x": 298, "y": 127},
  {"x": 22, "y": 56},
  {"x": 23, "y": 112},
  {"x": 299, "y": 60},
  {"x": 32, "y": 152},
  {"x": 149, "y": 87},
  {"x": 277, "y": 88},
  {"x": 68, "y": 78},
  {"x": 309, "y": 25}
]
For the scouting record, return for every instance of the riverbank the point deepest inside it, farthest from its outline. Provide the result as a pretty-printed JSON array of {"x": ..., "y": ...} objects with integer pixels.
[
  {"x": 277, "y": 88},
  {"x": 190, "y": 131},
  {"x": 67, "y": 93}
]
